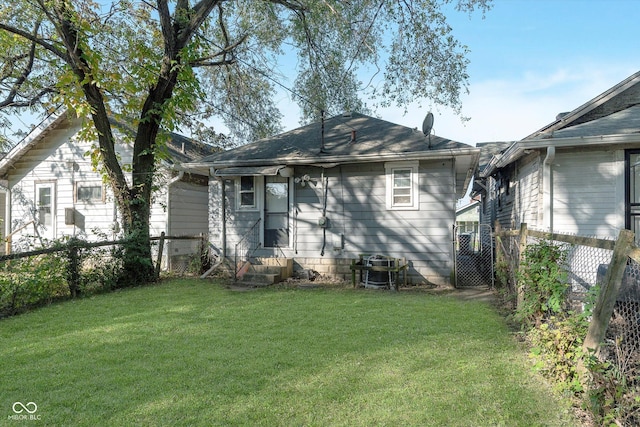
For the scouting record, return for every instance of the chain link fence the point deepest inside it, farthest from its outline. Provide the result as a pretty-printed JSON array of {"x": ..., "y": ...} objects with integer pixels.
[
  {"x": 473, "y": 257},
  {"x": 587, "y": 263}
]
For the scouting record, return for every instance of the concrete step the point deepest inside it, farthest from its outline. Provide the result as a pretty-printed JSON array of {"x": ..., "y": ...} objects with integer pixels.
[
  {"x": 284, "y": 266},
  {"x": 280, "y": 272},
  {"x": 260, "y": 278}
]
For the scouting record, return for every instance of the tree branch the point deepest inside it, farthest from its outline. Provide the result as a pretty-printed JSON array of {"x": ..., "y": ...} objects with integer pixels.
[{"x": 34, "y": 39}]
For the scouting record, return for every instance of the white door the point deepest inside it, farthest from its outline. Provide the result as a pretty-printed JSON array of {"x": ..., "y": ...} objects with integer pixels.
[
  {"x": 276, "y": 212},
  {"x": 46, "y": 209}
]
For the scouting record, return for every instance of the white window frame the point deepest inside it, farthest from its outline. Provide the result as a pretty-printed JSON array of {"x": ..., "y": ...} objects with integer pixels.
[
  {"x": 257, "y": 182},
  {"x": 414, "y": 195}
]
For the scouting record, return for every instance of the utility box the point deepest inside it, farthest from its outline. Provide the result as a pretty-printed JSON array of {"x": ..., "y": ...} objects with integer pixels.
[{"x": 69, "y": 216}]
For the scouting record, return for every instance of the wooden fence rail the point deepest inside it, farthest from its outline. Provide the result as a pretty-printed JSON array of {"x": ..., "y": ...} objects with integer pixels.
[{"x": 623, "y": 248}]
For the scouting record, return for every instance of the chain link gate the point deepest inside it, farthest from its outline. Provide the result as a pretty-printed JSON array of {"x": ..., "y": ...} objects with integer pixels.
[{"x": 473, "y": 252}]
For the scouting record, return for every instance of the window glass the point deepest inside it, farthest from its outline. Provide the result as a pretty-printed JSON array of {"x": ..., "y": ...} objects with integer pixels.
[
  {"x": 402, "y": 187},
  {"x": 247, "y": 191},
  {"x": 44, "y": 206},
  {"x": 89, "y": 193}
]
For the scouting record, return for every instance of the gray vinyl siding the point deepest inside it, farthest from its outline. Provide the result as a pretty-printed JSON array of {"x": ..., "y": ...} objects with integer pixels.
[
  {"x": 187, "y": 216},
  {"x": 358, "y": 216},
  {"x": 588, "y": 193}
]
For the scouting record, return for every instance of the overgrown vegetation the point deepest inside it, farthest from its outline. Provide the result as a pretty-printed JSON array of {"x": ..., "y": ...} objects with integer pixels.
[
  {"x": 71, "y": 267},
  {"x": 610, "y": 389},
  {"x": 542, "y": 282}
]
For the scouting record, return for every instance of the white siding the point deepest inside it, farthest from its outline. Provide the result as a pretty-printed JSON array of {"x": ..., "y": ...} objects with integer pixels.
[
  {"x": 58, "y": 159},
  {"x": 527, "y": 197},
  {"x": 586, "y": 193}
]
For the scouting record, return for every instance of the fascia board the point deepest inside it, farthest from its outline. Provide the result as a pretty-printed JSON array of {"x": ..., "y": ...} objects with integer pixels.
[
  {"x": 371, "y": 158},
  {"x": 517, "y": 150},
  {"x": 588, "y": 106}
]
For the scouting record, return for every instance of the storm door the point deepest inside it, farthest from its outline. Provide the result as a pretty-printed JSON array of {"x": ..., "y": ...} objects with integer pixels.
[{"x": 276, "y": 211}]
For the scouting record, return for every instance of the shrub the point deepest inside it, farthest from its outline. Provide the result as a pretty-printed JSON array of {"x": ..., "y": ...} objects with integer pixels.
[
  {"x": 542, "y": 280},
  {"x": 31, "y": 281},
  {"x": 556, "y": 347}
]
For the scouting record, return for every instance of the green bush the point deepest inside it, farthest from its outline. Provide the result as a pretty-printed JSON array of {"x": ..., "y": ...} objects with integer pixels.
[
  {"x": 31, "y": 281},
  {"x": 101, "y": 270},
  {"x": 542, "y": 280},
  {"x": 74, "y": 269}
]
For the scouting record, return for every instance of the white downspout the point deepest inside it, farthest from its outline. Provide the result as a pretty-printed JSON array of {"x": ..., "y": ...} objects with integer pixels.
[{"x": 547, "y": 189}]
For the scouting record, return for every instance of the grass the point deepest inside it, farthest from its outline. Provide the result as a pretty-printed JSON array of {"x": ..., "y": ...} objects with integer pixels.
[{"x": 187, "y": 352}]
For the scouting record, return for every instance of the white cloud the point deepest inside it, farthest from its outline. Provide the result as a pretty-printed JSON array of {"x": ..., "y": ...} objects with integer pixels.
[{"x": 510, "y": 109}]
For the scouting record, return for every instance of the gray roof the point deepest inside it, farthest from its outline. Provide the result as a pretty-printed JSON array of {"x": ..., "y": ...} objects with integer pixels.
[
  {"x": 622, "y": 122},
  {"x": 183, "y": 149},
  {"x": 354, "y": 136},
  {"x": 610, "y": 113},
  {"x": 490, "y": 149}
]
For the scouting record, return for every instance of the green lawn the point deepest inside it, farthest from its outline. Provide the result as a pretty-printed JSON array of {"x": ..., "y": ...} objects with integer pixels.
[{"x": 189, "y": 352}]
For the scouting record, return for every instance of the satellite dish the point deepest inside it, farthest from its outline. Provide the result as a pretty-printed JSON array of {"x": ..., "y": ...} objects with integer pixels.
[{"x": 427, "y": 124}]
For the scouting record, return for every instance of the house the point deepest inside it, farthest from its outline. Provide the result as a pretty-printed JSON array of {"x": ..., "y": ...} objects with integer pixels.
[
  {"x": 468, "y": 217},
  {"x": 327, "y": 192},
  {"x": 576, "y": 175},
  {"x": 50, "y": 189}
]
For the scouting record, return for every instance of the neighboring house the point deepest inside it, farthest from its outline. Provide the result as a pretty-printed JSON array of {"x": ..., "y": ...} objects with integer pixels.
[
  {"x": 468, "y": 217},
  {"x": 50, "y": 189},
  {"x": 324, "y": 193},
  {"x": 579, "y": 174}
]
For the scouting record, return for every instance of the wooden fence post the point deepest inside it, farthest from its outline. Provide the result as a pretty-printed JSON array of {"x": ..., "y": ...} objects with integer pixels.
[
  {"x": 160, "y": 249},
  {"x": 603, "y": 309},
  {"x": 522, "y": 248}
]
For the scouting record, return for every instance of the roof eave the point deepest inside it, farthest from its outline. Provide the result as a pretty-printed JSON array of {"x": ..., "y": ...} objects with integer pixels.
[
  {"x": 332, "y": 159},
  {"x": 518, "y": 149},
  {"x": 37, "y": 133}
]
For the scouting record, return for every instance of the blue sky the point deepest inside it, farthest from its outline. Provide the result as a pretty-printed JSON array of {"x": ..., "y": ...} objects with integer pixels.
[{"x": 530, "y": 60}]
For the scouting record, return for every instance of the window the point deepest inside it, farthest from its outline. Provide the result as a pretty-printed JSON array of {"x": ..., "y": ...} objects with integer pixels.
[
  {"x": 89, "y": 192},
  {"x": 247, "y": 193},
  {"x": 402, "y": 185},
  {"x": 45, "y": 204}
]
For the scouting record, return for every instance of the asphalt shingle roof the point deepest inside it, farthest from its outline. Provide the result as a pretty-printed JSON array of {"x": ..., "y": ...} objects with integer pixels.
[{"x": 352, "y": 135}]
